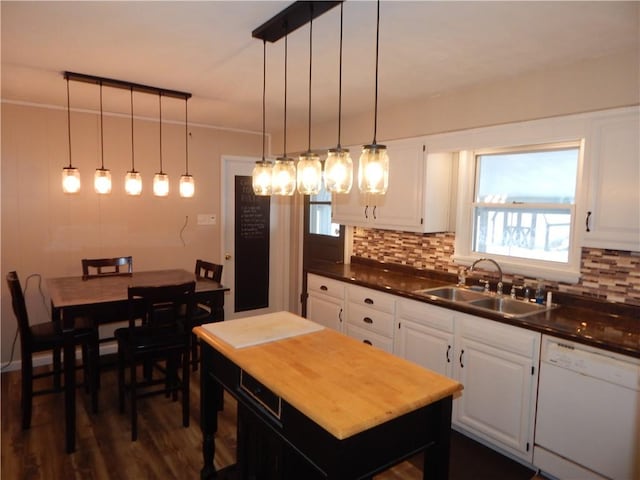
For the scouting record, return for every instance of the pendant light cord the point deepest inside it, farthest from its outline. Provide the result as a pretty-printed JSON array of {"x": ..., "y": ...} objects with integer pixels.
[
  {"x": 375, "y": 114},
  {"x": 340, "y": 81},
  {"x": 310, "y": 63},
  {"x": 101, "y": 132},
  {"x": 69, "y": 122},
  {"x": 284, "y": 153},
  {"x": 186, "y": 136},
  {"x": 264, "y": 94},
  {"x": 133, "y": 162},
  {"x": 160, "y": 117}
]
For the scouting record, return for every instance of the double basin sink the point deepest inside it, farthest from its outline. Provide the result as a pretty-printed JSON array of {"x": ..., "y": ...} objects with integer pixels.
[{"x": 484, "y": 302}]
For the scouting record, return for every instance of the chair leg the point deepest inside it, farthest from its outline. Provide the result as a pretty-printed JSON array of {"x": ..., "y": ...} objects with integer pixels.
[
  {"x": 185, "y": 390},
  {"x": 57, "y": 368},
  {"x": 134, "y": 405},
  {"x": 27, "y": 389},
  {"x": 94, "y": 374},
  {"x": 194, "y": 352},
  {"x": 121, "y": 379}
]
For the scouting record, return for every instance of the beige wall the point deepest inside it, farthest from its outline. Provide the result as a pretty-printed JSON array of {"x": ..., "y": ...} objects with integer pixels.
[
  {"x": 606, "y": 82},
  {"x": 47, "y": 232}
]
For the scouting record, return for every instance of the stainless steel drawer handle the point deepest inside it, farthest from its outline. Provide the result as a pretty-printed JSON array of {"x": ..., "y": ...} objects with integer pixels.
[{"x": 367, "y": 320}]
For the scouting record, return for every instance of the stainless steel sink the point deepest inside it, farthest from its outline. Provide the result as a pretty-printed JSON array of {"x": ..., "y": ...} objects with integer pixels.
[
  {"x": 452, "y": 294},
  {"x": 508, "y": 306}
]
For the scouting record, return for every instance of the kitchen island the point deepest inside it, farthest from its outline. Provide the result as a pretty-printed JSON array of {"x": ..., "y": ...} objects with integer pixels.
[{"x": 322, "y": 405}]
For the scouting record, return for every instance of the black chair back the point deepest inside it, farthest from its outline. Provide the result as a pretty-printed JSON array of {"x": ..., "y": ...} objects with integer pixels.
[
  {"x": 212, "y": 271},
  {"x": 161, "y": 307},
  {"x": 98, "y": 267},
  {"x": 19, "y": 309}
]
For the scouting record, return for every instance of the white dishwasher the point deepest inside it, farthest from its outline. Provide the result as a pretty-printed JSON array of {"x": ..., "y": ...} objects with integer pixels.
[{"x": 588, "y": 417}]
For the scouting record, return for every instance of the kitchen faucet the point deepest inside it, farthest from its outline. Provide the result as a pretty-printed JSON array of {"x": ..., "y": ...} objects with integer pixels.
[{"x": 484, "y": 259}]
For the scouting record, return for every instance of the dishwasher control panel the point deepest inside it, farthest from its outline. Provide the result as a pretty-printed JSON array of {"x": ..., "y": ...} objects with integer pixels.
[{"x": 592, "y": 362}]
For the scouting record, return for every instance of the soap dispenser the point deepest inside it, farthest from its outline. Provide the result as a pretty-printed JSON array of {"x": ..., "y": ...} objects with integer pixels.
[{"x": 540, "y": 292}]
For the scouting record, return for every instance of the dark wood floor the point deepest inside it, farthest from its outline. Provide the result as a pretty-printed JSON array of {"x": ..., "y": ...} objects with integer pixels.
[{"x": 165, "y": 449}]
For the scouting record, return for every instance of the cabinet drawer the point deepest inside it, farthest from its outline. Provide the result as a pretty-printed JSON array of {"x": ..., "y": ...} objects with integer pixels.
[
  {"x": 425, "y": 314},
  {"x": 325, "y": 286},
  {"x": 370, "y": 319},
  {"x": 370, "y": 298},
  {"x": 370, "y": 338},
  {"x": 507, "y": 338}
]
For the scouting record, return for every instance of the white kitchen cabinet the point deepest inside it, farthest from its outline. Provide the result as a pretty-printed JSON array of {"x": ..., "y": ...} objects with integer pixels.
[
  {"x": 612, "y": 154},
  {"x": 325, "y": 302},
  {"x": 425, "y": 335},
  {"x": 370, "y": 316},
  {"x": 418, "y": 197},
  {"x": 498, "y": 366}
]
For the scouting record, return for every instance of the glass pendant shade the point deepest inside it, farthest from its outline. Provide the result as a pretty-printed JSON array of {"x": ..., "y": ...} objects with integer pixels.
[
  {"x": 283, "y": 180},
  {"x": 373, "y": 172},
  {"x": 261, "y": 178},
  {"x": 70, "y": 180},
  {"x": 338, "y": 171},
  {"x": 102, "y": 181},
  {"x": 133, "y": 183},
  {"x": 187, "y": 186},
  {"x": 161, "y": 184},
  {"x": 309, "y": 174}
]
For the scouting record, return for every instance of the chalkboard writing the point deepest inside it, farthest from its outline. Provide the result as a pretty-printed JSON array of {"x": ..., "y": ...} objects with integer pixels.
[{"x": 252, "y": 228}]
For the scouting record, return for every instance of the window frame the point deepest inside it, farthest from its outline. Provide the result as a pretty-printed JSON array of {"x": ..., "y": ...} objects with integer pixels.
[{"x": 465, "y": 218}]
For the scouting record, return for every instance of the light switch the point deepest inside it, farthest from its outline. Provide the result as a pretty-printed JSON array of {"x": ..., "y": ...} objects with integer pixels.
[{"x": 206, "y": 219}]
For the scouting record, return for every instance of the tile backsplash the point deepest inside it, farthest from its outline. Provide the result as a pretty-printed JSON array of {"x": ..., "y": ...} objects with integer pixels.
[{"x": 612, "y": 275}]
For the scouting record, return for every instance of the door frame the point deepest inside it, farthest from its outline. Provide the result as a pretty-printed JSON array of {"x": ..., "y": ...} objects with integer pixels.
[{"x": 279, "y": 242}]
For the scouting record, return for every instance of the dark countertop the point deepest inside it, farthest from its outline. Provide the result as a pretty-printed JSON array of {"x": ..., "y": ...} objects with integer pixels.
[{"x": 607, "y": 325}]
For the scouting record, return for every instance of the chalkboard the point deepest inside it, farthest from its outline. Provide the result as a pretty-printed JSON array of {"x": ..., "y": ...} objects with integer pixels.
[{"x": 252, "y": 227}]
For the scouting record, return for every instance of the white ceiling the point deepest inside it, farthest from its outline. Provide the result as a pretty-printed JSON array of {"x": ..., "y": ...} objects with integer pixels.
[{"x": 206, "y": 48}]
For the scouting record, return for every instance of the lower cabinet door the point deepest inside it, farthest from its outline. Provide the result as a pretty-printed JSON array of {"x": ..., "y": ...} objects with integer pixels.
[
  {"x": 428, "y": 347},
  {"x": 496, "y": 403},
  {"x": 326, "y": 311}
]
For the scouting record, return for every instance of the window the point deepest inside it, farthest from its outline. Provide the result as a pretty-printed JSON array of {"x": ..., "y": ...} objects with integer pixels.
[
  {"x": 320, "y": 215},
  {"x": 522, "y": 208}
]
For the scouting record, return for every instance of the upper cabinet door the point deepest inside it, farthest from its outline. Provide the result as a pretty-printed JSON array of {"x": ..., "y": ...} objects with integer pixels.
[
  {"x": 418, "y": 197},
  {"x": 612, "y": 219}
]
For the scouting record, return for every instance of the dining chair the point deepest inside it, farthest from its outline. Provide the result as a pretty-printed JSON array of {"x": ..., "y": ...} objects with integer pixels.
[
  {"x": 99, "y": 267},
  {"x": 159, "y": 343},
  {"x": 203, "y": 312},
  {"x": 49, "y": 336}
]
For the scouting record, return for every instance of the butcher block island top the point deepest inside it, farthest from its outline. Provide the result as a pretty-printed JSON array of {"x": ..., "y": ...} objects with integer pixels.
[{"x": 343, "y": 385}]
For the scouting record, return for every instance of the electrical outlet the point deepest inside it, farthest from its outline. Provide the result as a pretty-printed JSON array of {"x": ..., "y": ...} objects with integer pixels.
[{"x": 206, "y": 219}]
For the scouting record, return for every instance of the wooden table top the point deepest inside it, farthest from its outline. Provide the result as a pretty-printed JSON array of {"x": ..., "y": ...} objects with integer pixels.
[
  {"x": 73, "y": 291},
  {"x": 341, "y": 384}
]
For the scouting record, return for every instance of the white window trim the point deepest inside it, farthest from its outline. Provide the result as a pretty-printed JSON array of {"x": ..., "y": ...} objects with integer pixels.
[{"x": 464, "y": 255}]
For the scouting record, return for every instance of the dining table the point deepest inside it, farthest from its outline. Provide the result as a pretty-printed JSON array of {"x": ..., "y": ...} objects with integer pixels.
[{"x": 105, "y": 299}]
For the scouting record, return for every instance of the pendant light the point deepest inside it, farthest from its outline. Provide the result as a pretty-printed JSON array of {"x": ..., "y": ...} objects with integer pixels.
[
  {"x": 102, "y": 177},
  {"x": 132, "y": 179},
  {"x": 338, "y": 167},
  {"x": 70, "y": 174},
  {"x": 261, "y": 175},
  {"x": 187, "y": 185},
  {"x": 373, "y": 172},
  {"x": 160, "y": 179},
  {"x": 284, "y": 170},
  {"x": 309, "y": 166}
]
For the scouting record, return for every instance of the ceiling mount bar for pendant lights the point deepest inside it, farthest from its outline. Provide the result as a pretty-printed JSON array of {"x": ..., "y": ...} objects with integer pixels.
[
  {"x": 137, "y": 87},
  {"x": 291, "y": 18}
]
